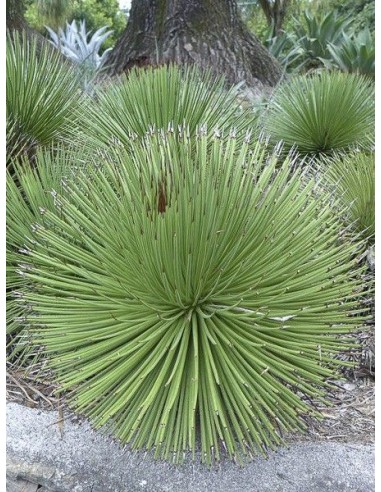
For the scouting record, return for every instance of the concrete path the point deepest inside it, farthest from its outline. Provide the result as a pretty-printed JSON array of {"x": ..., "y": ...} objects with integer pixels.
[{"x": 74, "y": 458}]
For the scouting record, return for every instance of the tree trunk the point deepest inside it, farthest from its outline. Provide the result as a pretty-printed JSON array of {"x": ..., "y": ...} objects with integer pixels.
[
  {"x": 275, "y": 12},
  {"x": 209, "y": 33},
  {"x": 15, "y": 20},
  {"x": 279, "y": 13}
]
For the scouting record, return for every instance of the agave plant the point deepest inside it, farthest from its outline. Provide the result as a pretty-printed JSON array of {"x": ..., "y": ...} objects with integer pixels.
[
  {"x": 189, "y": 292},
  {"x": 322, "y": 113},
  {"x": 353, "y": 178},
  {"x": 75, "y": 45},
  {"x": 315, "y": 34},
  {"x": 285, "y": 47},
  {"x": 163, "y": 97},
  {"x": 356, "y": 54},
  {"x": 29, "y": 194},
  {"x": 83, "y": 52},
  {"x": 41, "y": 93}
]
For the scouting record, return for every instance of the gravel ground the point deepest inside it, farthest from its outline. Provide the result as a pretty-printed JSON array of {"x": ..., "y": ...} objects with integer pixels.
[
  {"x": 50, "y": 450},
  {"x": 66, "y": 455}
]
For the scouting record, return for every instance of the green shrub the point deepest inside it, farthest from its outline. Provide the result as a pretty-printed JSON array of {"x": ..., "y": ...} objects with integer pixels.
[
  {"x": 41, "y": 94},
  {"x": 322, "y": 113},
  {"x": 255, "y": 19},
  {"x": 353, "y": 178},
  {"x": 361, "y": 11},
  {"x": 187, "y": 289},
  {"x": 52, "y": 12},
  {"x": 163, "y": 97}
]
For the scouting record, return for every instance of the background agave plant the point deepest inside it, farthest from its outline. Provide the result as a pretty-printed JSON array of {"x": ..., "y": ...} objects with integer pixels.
[
  {"x": 163, "y": 97},
  {"x": 314, "y": 34},
  {"x": 83, "y": 52},
  {"x": 322, "y": 113},
  {"x": 285, "y": 47},
  {"x": 75, "y": 45},
  {"x": 41, "y": 94},
  {"x": 353, "y": 177},
  {"x": 356, "y": 54},
  {"x": 188, "y": 290}
]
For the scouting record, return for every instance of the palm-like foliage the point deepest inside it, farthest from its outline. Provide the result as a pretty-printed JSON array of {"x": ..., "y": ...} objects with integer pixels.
[
  {"x": 353, "y": 177},
  {"x": 41, "y": 94},
  {"x": 322, "y": 113},
  {"x": 163, "y": 97},
  {"x": 187, "y": 289}
]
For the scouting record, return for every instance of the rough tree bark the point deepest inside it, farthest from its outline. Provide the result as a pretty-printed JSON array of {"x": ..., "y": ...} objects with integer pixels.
[
  {"x": 209, "y": 33},
  {"x": 15, "y": 19},
  {"x": 275, "y": 12},
  {"x": 15, "y": 22}
]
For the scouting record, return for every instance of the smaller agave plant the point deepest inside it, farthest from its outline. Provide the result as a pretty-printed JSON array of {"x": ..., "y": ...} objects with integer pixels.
[
  {"x": 75, "y": 45},
  {"x": 285, "y": 47},
  {"x": 353, "y": 177},
  {"x": 163, "y": 98},
  {"x": 323, "y": 113},
  {"x": 41, "y": 92}
]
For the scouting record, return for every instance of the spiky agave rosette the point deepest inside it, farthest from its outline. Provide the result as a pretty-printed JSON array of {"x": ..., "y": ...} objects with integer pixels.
[
  {"x": 28, "y": 193},
  {"x": 188, "y": 290},
  {"x": 323, "y": 113},
  {"x": 163, "y": 97},
  {"x": 352, "y": 177},
  {"x": 42, "y": 96}
]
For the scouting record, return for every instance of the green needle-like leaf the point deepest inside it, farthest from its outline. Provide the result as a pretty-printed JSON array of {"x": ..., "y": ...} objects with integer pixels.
[{"x": 31, "y": 192}]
